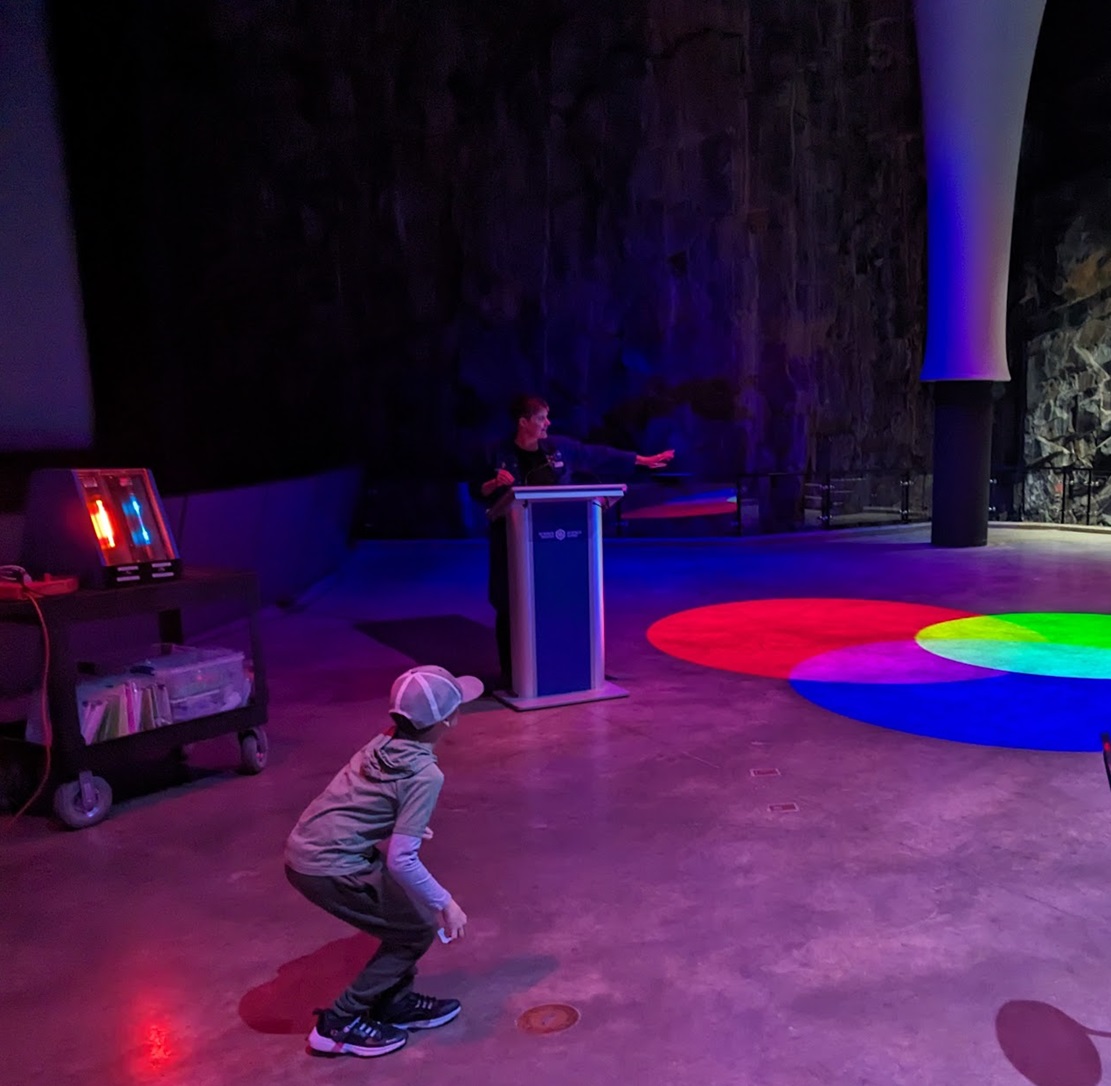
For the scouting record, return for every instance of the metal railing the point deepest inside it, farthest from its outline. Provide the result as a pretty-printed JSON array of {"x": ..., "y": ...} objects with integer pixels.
[
  {"x": 1073, "y": 494},
  {"x": 675, "y": 505},
  {"x": 766, "y": 502}
]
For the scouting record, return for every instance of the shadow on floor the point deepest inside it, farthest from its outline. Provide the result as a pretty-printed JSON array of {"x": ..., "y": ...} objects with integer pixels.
[
  {"x": 460, "y": 644},
  {"x": 1046, "y": 1046},
  {"x": 284, "y": 1005}
]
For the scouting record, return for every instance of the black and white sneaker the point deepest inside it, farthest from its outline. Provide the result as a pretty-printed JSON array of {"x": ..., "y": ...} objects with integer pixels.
[
  {"x": 336, "y": 1035},
  {"x": 413, "y": 1011}
]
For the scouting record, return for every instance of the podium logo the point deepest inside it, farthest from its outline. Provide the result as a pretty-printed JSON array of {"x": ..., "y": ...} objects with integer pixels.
[{"x": 560, "y": 534}]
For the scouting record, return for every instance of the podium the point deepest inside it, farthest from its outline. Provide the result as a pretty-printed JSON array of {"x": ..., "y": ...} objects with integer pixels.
[{"x": 557, "y": 624}]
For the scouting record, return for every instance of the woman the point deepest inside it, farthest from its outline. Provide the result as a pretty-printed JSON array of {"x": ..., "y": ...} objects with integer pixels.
[{"x": 531, "y": 458}]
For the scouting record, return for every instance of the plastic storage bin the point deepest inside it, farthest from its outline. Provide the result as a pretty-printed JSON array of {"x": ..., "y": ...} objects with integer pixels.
[{"x": 199, "y": 682}]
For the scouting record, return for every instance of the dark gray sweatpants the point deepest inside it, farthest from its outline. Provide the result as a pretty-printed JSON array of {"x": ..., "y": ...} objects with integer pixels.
[{"x": 376, "y": 904}]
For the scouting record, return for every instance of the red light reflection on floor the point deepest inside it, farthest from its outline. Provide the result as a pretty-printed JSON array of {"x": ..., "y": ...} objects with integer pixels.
[
  {"x": 155, "y": 1048},
  {"x": 771, "y": 637},
  {"x": 706, "y": 507},
  {"x": 159, "y": 1046}
]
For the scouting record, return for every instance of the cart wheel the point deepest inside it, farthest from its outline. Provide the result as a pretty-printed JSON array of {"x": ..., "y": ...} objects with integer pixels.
[
  {"x": 71, "y": 807},
  {"x": 254, "y": 749}
]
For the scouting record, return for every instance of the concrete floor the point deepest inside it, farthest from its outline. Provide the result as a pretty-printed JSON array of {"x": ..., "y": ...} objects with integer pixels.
[{"x": 933, "y": 913}]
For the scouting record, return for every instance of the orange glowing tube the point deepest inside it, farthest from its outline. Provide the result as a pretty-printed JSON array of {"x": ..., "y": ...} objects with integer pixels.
[{"x": 102, "y": 525}]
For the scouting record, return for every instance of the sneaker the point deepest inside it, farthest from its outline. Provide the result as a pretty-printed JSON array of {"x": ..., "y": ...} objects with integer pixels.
[
  {"x": 337, "y": 1035},
  {"x": 413, "y": 1011}
]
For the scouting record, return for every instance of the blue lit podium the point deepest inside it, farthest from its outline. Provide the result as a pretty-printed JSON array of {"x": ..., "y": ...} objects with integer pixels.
[{"x": 557, "y": 623}]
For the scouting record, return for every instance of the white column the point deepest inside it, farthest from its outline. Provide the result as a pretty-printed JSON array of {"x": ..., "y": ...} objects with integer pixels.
[{"x": 975, "y": 59}]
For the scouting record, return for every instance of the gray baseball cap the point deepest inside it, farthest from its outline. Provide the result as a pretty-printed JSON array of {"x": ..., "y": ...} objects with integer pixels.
[{"x": 427, "y": 694}]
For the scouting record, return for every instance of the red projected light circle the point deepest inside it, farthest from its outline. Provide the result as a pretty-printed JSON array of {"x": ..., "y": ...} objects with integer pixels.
[{"x": 772, "y": 637}]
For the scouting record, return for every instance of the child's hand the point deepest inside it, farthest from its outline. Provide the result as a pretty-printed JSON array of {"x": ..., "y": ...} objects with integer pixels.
[
  {"x": 426, "y": 835},
  {"x": 453, "y": 920}
]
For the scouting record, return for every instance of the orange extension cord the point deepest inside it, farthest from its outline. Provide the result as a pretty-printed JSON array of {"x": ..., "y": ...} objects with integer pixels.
[{"x": 48, "y": 735}]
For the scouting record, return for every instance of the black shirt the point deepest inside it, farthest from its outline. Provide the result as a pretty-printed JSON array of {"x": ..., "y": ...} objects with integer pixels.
[{"x": 536, "y": 468}]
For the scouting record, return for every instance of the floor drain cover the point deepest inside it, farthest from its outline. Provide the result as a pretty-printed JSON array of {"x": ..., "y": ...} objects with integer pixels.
[{"x": 548, "y": 1018}]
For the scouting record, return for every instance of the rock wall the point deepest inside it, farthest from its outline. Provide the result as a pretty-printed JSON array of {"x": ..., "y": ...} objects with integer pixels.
[
  {"x": 1067, "y": 356},
  {"x": 697, "y": 224},
  {"x": 1061, "y": 276},
  {"x": 317, "y": 230}
]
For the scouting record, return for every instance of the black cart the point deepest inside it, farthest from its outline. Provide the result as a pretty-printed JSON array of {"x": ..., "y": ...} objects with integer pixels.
[{"x": 81, "y": 796}]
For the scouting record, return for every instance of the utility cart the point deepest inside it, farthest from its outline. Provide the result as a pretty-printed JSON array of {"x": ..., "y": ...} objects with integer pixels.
[{"x": 82, "y": 796}]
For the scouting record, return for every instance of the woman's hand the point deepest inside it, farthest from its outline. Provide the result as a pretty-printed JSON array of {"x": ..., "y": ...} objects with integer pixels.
[
  {"x": 659, "y": 460},
  {"x": 503, "y": 478}
]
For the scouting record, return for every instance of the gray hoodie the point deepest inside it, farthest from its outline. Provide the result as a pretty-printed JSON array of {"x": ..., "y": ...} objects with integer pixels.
[{"x": 389, "y": 787}]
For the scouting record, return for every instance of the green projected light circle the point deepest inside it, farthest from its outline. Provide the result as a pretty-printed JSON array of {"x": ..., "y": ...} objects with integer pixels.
[{"x": 1064, "y": 645}]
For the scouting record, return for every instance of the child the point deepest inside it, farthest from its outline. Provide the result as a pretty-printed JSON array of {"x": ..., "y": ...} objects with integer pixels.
[{"x": 354, "y": 852}]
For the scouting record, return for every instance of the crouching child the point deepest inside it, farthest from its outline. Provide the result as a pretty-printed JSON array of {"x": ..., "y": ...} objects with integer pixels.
[{"x": 355, "y": 852}]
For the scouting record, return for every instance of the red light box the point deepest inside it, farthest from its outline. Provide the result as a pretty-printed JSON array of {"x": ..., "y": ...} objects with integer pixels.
[{"x": 106, "y": 526}]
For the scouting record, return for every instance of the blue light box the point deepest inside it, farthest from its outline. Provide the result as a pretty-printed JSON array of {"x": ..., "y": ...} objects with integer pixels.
[{"x": 106, "y": 526}]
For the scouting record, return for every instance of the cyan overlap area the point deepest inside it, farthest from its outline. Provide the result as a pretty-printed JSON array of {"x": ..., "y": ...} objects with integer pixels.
[{"x": 1036, "y": 681}]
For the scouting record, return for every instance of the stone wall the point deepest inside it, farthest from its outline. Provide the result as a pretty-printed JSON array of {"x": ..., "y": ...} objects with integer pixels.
[
  {"x": 694, "y": 224},
  {"x": 1067, "y": 355},
  {"x": 1061, "y": 275},
  {"x": 317, "y": 230}
]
